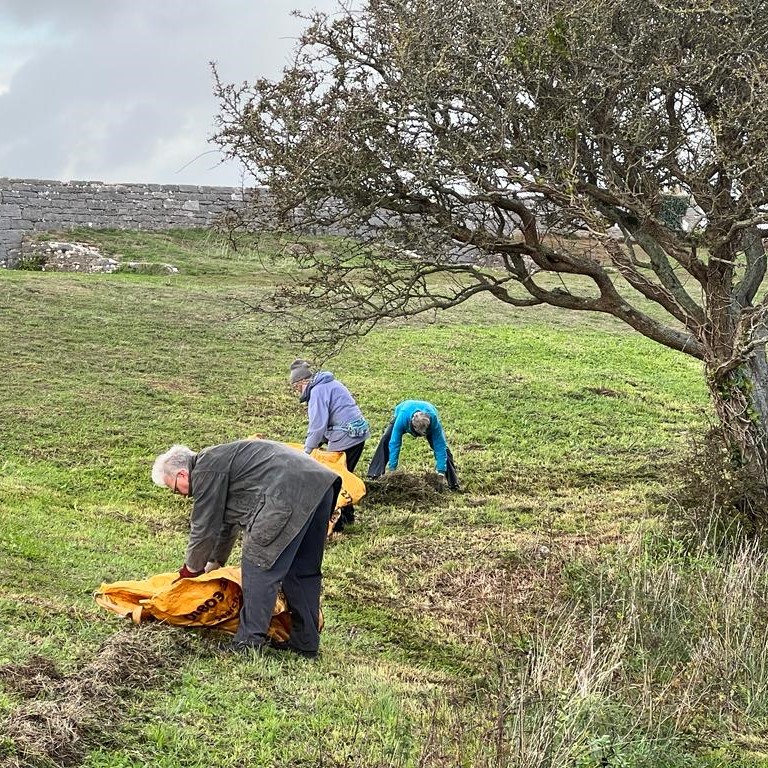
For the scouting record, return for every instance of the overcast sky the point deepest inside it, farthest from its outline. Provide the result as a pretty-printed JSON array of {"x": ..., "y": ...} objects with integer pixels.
[{"x": 121, "y": 90}]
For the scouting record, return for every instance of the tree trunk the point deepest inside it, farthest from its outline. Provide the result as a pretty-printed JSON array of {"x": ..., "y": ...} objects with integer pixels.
[{"x": 740, "y": 397}]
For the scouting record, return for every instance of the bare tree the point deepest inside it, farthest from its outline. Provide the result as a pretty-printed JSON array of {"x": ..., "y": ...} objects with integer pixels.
[{"x": 425, "y": 130}]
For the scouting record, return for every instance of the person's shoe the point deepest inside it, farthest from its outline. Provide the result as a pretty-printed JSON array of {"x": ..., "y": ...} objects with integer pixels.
[
  {"x": 243, "y": 646},
  {"x": 347, "y": 517},
  {"x": 284, "y": 645}
]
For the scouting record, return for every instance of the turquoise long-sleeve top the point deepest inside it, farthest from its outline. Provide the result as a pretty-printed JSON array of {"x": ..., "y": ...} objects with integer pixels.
[{"x": 402, "y": 424}]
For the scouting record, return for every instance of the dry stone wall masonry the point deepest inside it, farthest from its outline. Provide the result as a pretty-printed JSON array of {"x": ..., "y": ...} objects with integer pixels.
[{"x": 30, "y": 205}]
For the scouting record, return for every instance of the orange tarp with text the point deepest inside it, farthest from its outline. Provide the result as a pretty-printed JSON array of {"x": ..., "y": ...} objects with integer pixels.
[{"x": 212, "y": 600}]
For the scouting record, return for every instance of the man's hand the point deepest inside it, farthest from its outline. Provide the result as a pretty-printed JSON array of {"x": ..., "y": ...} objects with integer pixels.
[{"x": 185, "y": 573}]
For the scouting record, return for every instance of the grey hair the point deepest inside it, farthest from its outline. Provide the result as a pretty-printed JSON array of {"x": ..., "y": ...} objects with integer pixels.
[
  {"x": 176, "y": 458},
  {"x": 420, "y": 422}
]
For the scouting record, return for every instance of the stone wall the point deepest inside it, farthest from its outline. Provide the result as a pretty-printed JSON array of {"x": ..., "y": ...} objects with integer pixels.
[{"x": 28, "y": 205}]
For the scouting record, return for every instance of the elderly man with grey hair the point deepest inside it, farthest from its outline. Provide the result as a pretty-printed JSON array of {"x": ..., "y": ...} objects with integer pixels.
[{"x": 282, "y": 500}]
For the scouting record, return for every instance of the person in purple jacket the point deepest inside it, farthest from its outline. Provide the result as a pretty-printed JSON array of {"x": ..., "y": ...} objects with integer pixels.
[{"x": 335, "y": 419}]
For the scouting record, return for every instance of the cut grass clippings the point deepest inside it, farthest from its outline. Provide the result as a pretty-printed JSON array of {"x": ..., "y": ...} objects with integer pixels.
[{"x": 64, "y": 715}]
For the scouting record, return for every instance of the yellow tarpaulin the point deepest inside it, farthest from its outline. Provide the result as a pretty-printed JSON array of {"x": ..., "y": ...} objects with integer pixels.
[
  {"x": 212, "y": 600},
  {"x": 352, "y": 487}
]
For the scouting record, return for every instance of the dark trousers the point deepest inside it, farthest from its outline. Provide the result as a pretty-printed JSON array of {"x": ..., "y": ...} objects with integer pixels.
[
  {"x": 299, "y": 568},
  {"x": 352, "y": 456},
  {"x": 380, "y": 460}
]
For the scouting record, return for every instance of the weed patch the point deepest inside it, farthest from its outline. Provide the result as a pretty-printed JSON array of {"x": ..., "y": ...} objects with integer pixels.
[{"x": 712, "y": 496}]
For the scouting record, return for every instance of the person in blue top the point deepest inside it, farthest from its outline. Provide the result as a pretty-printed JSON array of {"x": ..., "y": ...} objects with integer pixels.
[
  {"x": 419, "y": 419},
  {"x": 335, "y": 419}
]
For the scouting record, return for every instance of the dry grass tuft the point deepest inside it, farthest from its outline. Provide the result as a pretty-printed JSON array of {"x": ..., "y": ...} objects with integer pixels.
[
  {"x": 49, "y": 731},
  {"x": 32, "y": 677},
  {"x": 55, "y": 727},
  {"x": 399, "y": 488}
]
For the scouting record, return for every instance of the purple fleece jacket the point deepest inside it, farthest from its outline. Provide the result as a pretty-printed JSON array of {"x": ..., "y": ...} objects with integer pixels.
[{"x": 330, "y": 404}]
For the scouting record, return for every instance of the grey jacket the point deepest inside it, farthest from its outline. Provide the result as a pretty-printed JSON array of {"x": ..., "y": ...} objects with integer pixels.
[{"x": 265, "y": 488}]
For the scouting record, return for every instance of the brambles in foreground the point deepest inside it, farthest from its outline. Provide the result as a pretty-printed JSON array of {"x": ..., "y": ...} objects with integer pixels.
[{"x": 656, "y": 650}]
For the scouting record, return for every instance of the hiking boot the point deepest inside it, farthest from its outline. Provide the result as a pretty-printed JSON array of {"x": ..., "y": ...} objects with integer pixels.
[
  {"x": 347, "y": 517},
  {"x": 243, "y": 646},
  {"x": 284, "y": 645}
]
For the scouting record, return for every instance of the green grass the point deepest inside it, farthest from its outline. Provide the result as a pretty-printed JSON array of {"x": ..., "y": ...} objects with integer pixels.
[{"x": 507, "y": 625}]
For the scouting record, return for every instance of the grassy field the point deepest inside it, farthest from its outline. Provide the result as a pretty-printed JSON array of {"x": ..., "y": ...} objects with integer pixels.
[{"x": 546, "y": 615}]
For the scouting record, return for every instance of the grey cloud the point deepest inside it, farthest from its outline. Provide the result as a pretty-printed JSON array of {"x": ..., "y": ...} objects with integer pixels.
[{"x": 114, "y": 82}]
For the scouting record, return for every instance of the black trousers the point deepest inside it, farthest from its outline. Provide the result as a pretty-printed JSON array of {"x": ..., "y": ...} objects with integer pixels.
[
  {"x": 299, "y": 569},
  {"x": 380, "y": 460},
  {"x": 352, "y": 456}
]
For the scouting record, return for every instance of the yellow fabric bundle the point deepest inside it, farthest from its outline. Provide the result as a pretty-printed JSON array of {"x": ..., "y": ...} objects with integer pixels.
[
  {"x": 352, "y": 487},
  {"x": 211, "y": 600}
]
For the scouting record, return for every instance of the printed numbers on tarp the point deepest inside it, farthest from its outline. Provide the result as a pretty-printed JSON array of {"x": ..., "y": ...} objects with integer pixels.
[{"x": 211, "y": 602}]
